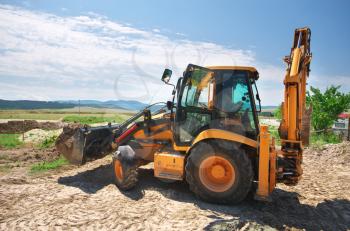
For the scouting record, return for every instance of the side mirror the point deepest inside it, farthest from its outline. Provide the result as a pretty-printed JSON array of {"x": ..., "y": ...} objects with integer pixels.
[
  {"x": 167, "y": 75},
  {"x": 169, "y": 105}
]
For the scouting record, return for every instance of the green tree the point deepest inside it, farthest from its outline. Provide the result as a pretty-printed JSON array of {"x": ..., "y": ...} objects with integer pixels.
[{"x": 326, "y": 106}]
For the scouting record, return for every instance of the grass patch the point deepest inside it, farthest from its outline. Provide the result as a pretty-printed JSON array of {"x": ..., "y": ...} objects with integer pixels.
[
  {"x": 93, "y": 119},
  {"x": 44, "y": 166},
  {"x": 274, "y": 133},
  {"x": 10, "y": 140},
  {"x": 45, "y": 115},
  {"x": 49, "y": 142},
  {"x": 318, "y": 140},
  {"x": 58, "y": 114}
]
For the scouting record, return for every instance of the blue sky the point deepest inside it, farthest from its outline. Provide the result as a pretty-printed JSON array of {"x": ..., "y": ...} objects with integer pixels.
[{"x": 117, "y": 50}]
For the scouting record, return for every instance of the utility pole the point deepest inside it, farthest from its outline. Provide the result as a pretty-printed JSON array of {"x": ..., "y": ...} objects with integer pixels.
[
  {"x": 349, "y": 128},
  {"x": 79, "y": 107}
]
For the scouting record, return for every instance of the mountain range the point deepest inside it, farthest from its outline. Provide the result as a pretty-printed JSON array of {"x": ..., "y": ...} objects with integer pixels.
[
  {"x": 32, "y": 104},
  {"x": 131, "y": 105}
]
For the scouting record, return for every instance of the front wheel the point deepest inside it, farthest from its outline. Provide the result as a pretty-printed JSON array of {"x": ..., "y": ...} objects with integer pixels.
[
  {"x": 218, "y": 175},
  {"x": 125, "y": 173}
]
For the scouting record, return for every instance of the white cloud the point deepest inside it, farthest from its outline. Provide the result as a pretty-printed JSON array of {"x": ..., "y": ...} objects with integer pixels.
[
  {"x": 91, "y": 51},
  {"x": 45, "y": 56},
  {"x": 323, "y": 81}
]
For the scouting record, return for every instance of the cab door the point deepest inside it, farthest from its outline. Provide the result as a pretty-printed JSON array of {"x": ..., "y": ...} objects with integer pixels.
[{"x": 194, "y": 113}]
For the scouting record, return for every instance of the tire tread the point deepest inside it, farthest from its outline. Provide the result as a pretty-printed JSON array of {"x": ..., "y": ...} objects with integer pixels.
[{"x": 130, "y": 173}]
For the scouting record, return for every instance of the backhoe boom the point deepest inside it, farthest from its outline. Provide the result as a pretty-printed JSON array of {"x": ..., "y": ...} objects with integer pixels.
[{"x": 293, "y": 128}]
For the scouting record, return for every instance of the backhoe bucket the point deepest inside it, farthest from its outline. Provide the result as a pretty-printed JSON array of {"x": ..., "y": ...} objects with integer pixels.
[{"x": 80, "y": 144}]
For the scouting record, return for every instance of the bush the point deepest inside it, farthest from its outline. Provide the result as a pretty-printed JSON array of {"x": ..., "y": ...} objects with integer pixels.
[
  {"x": 48, "y": 142},
  {"x": 277, "y": 113},
  {"x": 266, "y": 114},
  {"x": 10, "y": 140}
]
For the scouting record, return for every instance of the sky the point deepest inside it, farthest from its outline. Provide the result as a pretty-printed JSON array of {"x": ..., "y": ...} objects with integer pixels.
[{"x": 113, "y": 50}]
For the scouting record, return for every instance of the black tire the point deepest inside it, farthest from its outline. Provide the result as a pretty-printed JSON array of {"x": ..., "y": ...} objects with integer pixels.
[
  {"x": 129, "y": 177},
  {"x": 242, "y": 169}
]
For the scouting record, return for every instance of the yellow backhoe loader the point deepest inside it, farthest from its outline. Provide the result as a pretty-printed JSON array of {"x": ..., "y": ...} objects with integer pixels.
[{"x": 209, "y": 134}]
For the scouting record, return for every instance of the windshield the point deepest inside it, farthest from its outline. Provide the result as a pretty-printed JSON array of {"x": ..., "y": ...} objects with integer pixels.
[{"x": 196, "y": 90}]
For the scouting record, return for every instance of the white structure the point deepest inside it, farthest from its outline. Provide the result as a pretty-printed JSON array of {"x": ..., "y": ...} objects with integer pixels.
[{"x": 341, "y": 127}]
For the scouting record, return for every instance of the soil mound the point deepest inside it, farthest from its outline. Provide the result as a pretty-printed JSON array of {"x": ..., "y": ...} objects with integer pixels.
[
  {"x": 21, "y": 126},
  {"x": 331, "y": 154}
]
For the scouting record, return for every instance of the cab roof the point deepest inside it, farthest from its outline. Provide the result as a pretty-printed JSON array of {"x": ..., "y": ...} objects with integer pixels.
[
  {"x": 252, "y": 69},
  {"x": 242, "y": 68}
]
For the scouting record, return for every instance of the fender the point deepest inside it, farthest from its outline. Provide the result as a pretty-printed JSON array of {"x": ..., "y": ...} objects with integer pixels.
[{"x": 225, "y": 135}]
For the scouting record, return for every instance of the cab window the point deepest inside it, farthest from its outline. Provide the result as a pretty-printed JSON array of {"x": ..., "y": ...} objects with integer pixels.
[{"x": 234, "y": 102}]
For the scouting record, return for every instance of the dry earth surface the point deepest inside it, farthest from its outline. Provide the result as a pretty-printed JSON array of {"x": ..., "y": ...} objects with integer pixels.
[{"x": 85, "y": 198}]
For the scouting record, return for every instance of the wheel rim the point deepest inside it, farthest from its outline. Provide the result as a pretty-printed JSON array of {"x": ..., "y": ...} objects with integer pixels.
[
  {"x": 216, "y": 173},
  {"x": 118, "y": 170}
]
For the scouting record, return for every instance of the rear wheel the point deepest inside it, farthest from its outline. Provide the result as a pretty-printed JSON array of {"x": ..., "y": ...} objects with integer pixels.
[
  {"x": 218, "y": 175},
  {"x": 125, "y": 174}
]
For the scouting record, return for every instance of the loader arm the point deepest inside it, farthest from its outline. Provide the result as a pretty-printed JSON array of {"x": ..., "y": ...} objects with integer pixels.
[{"x": 80, "y": 144}]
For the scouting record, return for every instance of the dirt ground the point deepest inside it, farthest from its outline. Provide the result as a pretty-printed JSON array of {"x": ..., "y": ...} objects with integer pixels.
[
  {"x": 21, "y": 157},
  {"x": 85, "y": 198}
]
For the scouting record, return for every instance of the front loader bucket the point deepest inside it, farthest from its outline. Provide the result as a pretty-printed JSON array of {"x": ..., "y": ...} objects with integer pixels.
[{"x": 80, "y": 144}]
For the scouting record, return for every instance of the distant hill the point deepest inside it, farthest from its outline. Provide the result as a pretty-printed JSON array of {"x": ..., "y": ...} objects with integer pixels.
[
  {"x": 269, "y": 107},
  {"x": 131, "y": 105},
  {"x": 31, "y": 104},
  {"x": 119, "y": 104}
]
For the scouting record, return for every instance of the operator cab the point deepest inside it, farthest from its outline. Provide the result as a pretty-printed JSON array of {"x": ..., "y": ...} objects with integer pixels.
[{"x": 216, "y": 97}]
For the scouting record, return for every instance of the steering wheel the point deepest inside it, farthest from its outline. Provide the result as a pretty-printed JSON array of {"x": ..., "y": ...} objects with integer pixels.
[{"x": 202, "y": 104}]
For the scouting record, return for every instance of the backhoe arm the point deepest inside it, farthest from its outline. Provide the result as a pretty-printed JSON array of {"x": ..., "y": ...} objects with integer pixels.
[{"x": 294, "y": 129}]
